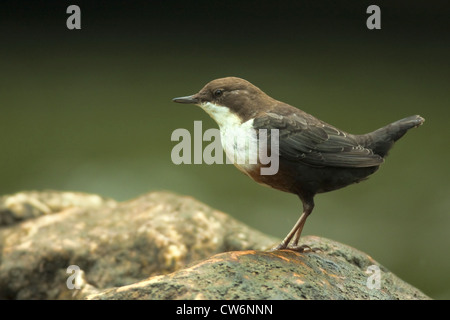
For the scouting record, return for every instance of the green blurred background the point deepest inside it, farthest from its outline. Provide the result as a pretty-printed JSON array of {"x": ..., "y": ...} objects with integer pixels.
[{"x": 90, "y": 110}]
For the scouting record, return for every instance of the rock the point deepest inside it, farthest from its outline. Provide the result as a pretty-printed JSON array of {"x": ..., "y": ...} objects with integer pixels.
[
  {"x": 114, "y": 244},
  {"x": 166, "y": 246},
  {"x": 26, "y": 205},
  {"x": 337, "y": 272}
]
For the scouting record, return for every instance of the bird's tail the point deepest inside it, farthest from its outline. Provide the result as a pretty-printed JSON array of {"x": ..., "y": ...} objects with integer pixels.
[{"x": 381, "y": 140}]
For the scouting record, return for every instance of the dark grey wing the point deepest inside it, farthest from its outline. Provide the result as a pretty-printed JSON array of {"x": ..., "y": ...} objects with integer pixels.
[{"x": 313, "y": 142}]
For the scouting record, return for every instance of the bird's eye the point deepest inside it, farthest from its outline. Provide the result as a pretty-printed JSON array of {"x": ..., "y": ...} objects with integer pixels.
[{"x": 218, "y": 93}]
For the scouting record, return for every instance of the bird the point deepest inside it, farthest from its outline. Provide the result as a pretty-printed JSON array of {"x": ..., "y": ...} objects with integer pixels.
[{"x": 313, "y": 156}]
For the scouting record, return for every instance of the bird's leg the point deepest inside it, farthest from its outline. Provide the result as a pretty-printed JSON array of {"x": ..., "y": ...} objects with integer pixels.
[
  {"x": 287, "y": 239},
  {"x": 308, "y": 206},
  {"x": 298, "y": 234}
]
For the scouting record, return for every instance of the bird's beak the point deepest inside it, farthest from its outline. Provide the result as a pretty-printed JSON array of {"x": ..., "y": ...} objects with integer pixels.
[{"x": 188, "y": 99}]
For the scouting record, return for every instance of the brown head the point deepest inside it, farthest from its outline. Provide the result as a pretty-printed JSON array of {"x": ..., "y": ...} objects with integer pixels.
[{"x": 239, "y": 96}]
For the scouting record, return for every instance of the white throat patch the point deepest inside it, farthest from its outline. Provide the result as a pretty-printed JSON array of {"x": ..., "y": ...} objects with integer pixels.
[
  {"x": 222, "y": 115},
  {"x": 240, "y": 141},
  {"x": 236, "y": 137}
]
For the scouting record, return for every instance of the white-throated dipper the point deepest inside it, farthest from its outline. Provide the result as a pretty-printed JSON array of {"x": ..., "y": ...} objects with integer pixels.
[{"x": 314, "y": 156}]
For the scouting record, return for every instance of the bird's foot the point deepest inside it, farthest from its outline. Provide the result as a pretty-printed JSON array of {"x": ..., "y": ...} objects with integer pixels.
[
  {"x": 281, "y": 246},
  {"x": 303, "y": 248}
]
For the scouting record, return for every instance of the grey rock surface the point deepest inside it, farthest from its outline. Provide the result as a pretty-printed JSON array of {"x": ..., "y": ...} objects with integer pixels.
[
  {"x": 113, "y": 244},
  {"x": 165, "y": 246},
  {"x": 336, "y": 271}
]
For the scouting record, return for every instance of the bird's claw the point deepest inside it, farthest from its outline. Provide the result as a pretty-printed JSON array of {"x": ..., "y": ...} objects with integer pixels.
[
  {"x": 281, "y": 246},
  {"x": 301, "y": 249},
  {"x": 305, "y": 248}
]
